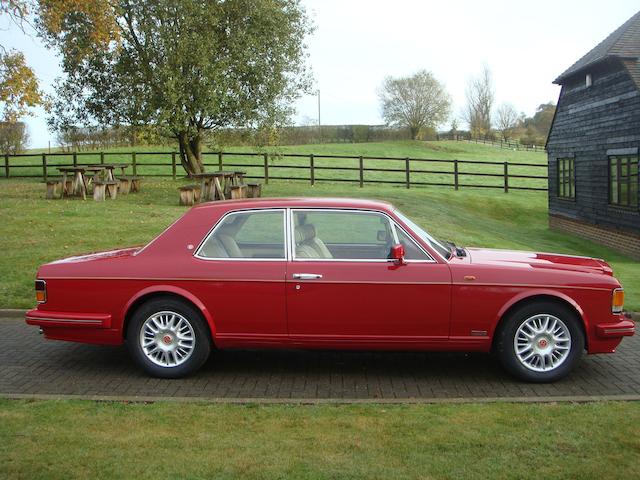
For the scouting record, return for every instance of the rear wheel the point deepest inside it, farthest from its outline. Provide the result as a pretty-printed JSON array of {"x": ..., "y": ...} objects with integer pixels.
[
  {"x": 540, "y": 342},
  {"x": 168, "y": 338}
]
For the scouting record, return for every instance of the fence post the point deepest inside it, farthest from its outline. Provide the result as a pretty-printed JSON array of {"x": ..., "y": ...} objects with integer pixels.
[
  {"x": 266, "y": 168},
  {"x": 6, "y": 165},
  {"x": 173, "y": 165},
  {"x": 44, "y": 167},
  {"x": 455, "y": 174},
  {"x": 361, "y": 164},
  {"x": 102, "y": 158},
  {"x": 506, "y": 177},
  {"x": 75, "y": 159},
  {"x": 220, "y": 160},
  {"x": 133, "y": 161},
  {"x": 407, "y": 171},
  {"x": 312, "y": 169}
]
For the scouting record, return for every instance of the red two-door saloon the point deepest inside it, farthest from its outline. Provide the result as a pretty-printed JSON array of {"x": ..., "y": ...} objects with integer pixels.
[{"x": 331, "y": 274}]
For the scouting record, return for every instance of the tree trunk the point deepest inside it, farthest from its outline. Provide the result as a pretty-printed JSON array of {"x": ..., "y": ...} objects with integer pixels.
[
  {"x": 190, "y": 152},
  {"x": 414, "y": 132}
]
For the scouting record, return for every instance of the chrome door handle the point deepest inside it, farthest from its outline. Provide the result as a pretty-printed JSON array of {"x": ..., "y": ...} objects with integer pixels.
[{"x": 306, "y": 276}]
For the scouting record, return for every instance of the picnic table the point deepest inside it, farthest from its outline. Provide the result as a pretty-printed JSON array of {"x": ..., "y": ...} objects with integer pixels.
[
  {"x": 217, "y": 185},
  {"x": 109, "y": 168},
  {"x": 79, "y": 182}
]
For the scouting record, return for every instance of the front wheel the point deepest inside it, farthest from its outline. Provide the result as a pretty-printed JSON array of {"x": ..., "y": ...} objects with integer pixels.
[
  {"x": 540, "y": 342},
  {"x": 168, "y": 338}
]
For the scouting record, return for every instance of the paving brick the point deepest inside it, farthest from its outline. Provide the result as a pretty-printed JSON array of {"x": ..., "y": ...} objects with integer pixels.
[{"x": 29, "y": 364}]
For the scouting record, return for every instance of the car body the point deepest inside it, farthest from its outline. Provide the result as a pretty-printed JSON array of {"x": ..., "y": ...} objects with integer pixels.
[{"x": 330, "y": 274}]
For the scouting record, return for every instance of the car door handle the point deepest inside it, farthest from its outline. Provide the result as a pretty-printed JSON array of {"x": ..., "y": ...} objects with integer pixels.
[{"x": 306, "y": 276}]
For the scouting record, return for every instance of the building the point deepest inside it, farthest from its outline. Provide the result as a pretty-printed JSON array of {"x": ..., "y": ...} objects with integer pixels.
[{"x": 593, "y": 144}]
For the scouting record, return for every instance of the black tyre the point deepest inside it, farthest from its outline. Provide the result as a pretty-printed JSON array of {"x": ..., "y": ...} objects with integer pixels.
[
  {"x": 540, "y": 342},
  {"x": 168, "y": 338}
]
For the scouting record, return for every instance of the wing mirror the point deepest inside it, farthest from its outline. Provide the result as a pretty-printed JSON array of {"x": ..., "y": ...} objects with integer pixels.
[{"x": 397, "y": 254}]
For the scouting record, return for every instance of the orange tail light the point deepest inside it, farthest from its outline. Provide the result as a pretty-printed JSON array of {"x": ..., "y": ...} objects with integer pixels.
[
  {"x": 41, "y": 291},
  {"x": 617, "y": 302}
]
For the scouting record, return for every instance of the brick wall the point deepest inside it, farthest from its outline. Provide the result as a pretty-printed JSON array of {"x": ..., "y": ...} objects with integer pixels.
[{"x": 626, "y": 243}]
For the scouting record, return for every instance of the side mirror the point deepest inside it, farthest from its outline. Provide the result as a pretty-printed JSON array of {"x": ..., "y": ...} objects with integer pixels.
[{"x": 397, "y": 254}]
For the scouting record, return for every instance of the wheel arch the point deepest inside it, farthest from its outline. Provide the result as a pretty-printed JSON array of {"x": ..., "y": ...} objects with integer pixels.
[
  {"x": 528, "y": 298},
  {"x": 166, "y": 291}
]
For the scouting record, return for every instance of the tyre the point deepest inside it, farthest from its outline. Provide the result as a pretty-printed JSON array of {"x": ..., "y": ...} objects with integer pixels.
[
  {"x": 540, "y": 342},
  {"x": 168, "y": 338}
]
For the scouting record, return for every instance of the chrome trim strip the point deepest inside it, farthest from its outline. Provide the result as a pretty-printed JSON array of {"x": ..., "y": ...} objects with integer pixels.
[
  {"x": 360, "y": 260},
  {"x": 64, "y": 320}
]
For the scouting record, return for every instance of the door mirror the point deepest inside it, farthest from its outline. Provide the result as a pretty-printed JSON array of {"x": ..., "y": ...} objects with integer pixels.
[{"x": 397, "y": 254}]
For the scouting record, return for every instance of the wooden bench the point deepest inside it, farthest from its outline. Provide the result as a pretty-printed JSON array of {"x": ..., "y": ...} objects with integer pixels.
[
  {"x": 135, "y": 184},
  {"x": 189, "y": 194},
  {"x": 254, "y": 190},
  {"x": 102, "y": 188},
  {"x": 238, "y": 191},
  {"x": 52, "y": 185}
]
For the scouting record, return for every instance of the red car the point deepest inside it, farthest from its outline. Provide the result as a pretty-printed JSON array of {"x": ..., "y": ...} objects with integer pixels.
[{"x": 329, "y": 274}]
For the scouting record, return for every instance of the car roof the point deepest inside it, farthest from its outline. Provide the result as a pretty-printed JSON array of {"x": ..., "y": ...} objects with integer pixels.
[{"x": 299, "y": 202}]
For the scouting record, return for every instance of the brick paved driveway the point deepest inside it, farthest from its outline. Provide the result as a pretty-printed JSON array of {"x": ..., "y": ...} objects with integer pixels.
[{"x": 29, "y": 364}]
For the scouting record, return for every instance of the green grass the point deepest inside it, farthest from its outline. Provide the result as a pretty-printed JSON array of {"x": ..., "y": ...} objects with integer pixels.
[
  {"x": 75, "y": 439},
  {"x": 35, "y": 231},
  {"x": 297, "y": 167}
]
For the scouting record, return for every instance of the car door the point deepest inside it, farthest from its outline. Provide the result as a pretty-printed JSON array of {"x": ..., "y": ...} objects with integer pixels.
[
  {"x": 243, "y": 260},
  {"x": 343, "y": 290}
]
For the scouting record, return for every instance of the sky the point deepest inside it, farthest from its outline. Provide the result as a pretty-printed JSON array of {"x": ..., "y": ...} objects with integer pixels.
[{"x": 357, "y": 43}]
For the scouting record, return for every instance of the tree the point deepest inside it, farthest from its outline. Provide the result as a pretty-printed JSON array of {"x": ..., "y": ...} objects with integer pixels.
[
  {"x": 14, "y": 137},
  {"x": 480, "y": 97},
  {"x": 186, "y": 66},
  {"x": 18, "y": 87},
  {"x": 415, "y": 102},
  {"x": 506, "y": 120}
]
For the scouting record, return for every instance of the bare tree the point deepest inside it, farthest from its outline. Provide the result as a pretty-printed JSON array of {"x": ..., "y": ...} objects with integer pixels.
[
  {"x": 415, "y": 102},
  {"x": 480, "y": 97},
  {"x": 507, "y": 119}
]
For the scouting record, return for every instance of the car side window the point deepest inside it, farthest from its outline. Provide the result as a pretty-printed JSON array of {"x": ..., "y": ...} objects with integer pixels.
[
  {"x": 341, "y": 235},
  {"x": 252, "y": 234},
  {"x": 411, "y": 250}
]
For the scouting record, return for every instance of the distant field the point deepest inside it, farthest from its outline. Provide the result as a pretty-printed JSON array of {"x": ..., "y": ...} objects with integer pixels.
[{"x": 298, "y": 167}]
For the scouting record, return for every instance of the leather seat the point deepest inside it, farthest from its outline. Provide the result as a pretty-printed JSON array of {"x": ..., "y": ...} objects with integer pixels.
[
  {"x": 229, "y": 244},
  {"x": 213, "y": 248},
  {"x": 308, "y": 245}
]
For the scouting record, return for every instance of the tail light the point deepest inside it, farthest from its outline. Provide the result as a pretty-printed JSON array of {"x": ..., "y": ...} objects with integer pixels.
[
  {"x": 617, "y": 301},
  {"x": 41, "y": 291}
]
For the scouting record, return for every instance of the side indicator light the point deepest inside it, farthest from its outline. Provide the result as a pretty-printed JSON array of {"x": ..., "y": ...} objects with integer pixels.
[
  {"x": 41, "y": 291},
  {"x": 617, "y": 302}
]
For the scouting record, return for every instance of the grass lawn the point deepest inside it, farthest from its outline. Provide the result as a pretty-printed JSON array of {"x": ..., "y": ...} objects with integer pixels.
[
  {"x": 76, "y": 439},
  {"x": 297, "y": 167}
]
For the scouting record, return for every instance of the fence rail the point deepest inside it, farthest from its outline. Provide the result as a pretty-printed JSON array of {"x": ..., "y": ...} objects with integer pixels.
[
  {"x": 361, "y": 170},
  {"x": 509, "y": 144}
]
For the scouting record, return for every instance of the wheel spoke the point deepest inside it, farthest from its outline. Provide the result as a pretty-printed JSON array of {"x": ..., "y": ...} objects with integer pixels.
[{"x": 542, "y": 342}]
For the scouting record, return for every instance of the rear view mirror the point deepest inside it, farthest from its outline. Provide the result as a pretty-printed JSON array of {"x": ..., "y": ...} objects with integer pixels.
[{"x": 397, "y": 254}]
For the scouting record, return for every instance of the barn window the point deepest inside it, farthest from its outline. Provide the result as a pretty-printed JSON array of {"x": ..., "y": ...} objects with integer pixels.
[
  {"x": 566, "y": 178},
  {"x": 588, "y": 81},
  {"x": 623, "y": 181}
]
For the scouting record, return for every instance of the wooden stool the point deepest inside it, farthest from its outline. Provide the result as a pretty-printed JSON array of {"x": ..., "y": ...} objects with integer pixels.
[
  {"x": 189, "y": 194},
  {"x": 238, "y": 191},
  {"x": 111, "y": 188},
  {"x": 52, "y": 184},
  {"x": 135, "y": 184},
  {"x": 124, "y": 185},
  {"x": 98, "y": 190},
  {"x": 254, "y": 190}
]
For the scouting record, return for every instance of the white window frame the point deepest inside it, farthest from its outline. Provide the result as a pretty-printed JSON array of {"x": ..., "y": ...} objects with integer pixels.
[{"x": 283, "y": 211}]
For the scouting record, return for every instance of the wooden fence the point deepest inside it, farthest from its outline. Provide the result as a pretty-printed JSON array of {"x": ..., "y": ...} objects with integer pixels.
[
  {"x": 407, "y": 171},
  {"x": 509, "y": 144}
]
